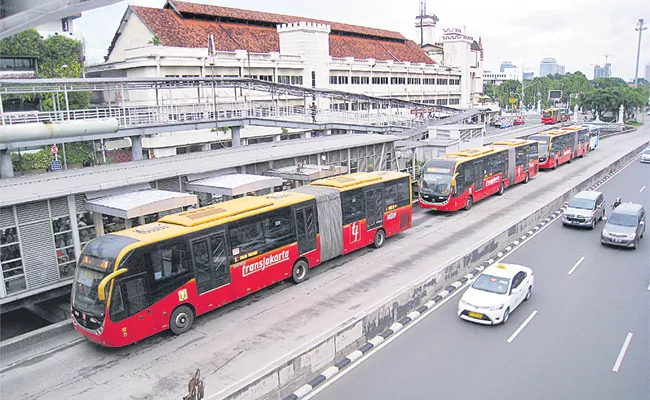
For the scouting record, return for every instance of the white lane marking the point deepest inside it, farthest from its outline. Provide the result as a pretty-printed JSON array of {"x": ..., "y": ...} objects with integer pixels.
[
  {"x": 619, "y": 360},
  {"x": 648, "y": 286},
  {"x": 576, "y": 265},
  {"x": 642, "y": 189},
  {"x": 521, "y": 328}
]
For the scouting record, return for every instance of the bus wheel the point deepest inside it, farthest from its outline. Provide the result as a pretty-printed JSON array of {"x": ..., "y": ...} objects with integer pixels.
[
  {"x": 380, "y": 238},
  {"x": 502, "y": 188},
  {"x": 181, "y": 320},
  {"x": 468, "y": 203},
  {"x": 299, "y": 271},
  {"x": 526, "y": 178}
]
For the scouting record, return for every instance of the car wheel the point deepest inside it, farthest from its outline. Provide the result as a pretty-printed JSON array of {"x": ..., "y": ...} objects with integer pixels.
[
  {"x": 530, "y": 293},
  {"x": 593, "y": 224},
  {"x": 299, "y": 271},
  {"x": 502, "y": 188},
  {"x": 526, "y": 178},
  {"x": 468, "y": 203},
  {"x": 380, "y": 238},
  {"x": 181, "y": 320},
  {"x": 506, "y": 315}
]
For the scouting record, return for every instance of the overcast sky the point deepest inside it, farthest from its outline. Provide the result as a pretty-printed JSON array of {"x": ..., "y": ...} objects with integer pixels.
[{"x": 577, "y": 33}]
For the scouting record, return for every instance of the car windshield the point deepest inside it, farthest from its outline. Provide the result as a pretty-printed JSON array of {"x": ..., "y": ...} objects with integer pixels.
[
  {"x": 620, "y": 219},
  {"x": 646, "y": 152},
  {"x": 583, "y": 204},
  {"x": 492, "y": 284}
]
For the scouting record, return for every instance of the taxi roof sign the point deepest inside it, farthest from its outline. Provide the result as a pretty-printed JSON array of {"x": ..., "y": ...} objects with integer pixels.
[{"x": 502, "y": 266}]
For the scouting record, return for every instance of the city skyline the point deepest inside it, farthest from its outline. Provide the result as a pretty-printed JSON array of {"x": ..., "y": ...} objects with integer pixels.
[{"x": 616, "y": 28}]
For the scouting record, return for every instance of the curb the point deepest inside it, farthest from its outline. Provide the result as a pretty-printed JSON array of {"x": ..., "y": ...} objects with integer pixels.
[{"x": 333, "y": 370}]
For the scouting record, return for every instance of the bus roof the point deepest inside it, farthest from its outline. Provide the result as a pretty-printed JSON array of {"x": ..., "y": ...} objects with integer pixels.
[
  {"x": 513, "y": 142},
  {"x": 552, "y": 132},
  {"x": 573, "y": 128},
  {"x": 470, "y": 153},
  {"x": 358, "y": 179}
]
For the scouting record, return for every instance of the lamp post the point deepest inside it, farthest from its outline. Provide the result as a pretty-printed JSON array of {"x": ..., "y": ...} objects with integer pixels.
[{"x": 640, "y": 27}]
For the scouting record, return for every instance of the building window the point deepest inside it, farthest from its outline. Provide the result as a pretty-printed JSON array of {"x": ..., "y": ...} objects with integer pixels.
[
  {"x": 333, "y": 80},
  {"x": 343, "y": 80},
  {"x": 86, "y": 225},
  {"x": 355, "y": 80},
  {"x": 395, "y": 80},
  {"x": 64, "y": 245},
  {"x": 296, "y": 80},
  {"x": 13, "y": 273},
  {"x": 414, "y": 81},
  {"x": 440, "y": 81},
  {"x": 380, "y": 80},
  {"x": 266, "y": 78},
  {"x": 284, "y": 79}
]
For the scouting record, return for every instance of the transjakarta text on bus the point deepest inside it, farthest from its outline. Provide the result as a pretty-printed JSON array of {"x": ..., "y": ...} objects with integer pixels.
[{"x": 132, "y": 284}]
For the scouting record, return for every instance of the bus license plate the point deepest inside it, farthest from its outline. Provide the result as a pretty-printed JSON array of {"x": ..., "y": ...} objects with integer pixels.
[{"x": 476, "y": 315}]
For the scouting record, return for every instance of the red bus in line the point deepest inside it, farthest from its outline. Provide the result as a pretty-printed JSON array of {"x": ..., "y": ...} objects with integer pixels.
[
  {"x": 135, "y": 283},
  {"x": 459, "y": 179},
  {"x": 583, "y": 145},
  {"x": 556, "y": 147},
  {"x": 555, "y": 115},
  {"x": 523, "y": 159}
]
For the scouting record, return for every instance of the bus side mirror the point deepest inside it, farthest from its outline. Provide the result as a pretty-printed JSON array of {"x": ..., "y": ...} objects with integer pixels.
[{"x": 101, "y": 290}]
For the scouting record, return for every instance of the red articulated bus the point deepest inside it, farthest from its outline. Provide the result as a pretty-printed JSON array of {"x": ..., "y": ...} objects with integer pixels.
[
  {"x": 583, "y": 139},
  {"x": 560, "y": 146},
  {"x": 135, "y": 283},
  {"x": 459, "y": 179},
  {"x": 525, "y": 156}
]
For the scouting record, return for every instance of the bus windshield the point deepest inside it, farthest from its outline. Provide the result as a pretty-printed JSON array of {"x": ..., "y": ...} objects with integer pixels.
[
  {"x": 436, "y": 177},
  {"x": 547, "y": 114},
  {"x": 96, "y": 262}
]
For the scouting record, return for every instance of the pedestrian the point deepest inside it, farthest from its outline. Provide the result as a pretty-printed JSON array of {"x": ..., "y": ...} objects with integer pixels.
[{"x": 314, "y": 111}]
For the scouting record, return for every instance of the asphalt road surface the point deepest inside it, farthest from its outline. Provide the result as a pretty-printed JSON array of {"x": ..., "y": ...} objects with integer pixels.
[{"x": 586, "y": 336}]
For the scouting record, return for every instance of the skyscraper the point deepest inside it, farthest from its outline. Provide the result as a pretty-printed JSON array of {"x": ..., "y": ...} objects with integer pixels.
[
  {"x": 647, "y": 72},
  {"x": 549, "y": 66},
  {"x": 505, "y": 65}
]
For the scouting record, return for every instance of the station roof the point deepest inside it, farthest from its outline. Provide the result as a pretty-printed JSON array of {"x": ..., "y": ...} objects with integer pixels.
[
  {"x": 142, "y": 202},
  {"x": 233, "y": 184},
  {"x": 94, "y": 179}
]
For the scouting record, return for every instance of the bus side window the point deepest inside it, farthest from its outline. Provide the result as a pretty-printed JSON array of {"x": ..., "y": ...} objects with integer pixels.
[
  {"x": 168, "y": 260},
  {"x": 117, "y": 311},
  {"x": 279, "y": 228},
  {"x": 247, "y": 235},
  {"x": 390, "y": 193},
  {"x": 403, "y": 191},
  {"x": 353, "y": 204}
]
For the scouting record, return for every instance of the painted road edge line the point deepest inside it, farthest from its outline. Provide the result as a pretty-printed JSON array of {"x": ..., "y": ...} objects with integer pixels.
[
  {"x": 642, "y": 189},
  {"x": 521, "y": 327},
  {"x": 442, "y": 296},
  {"x": 621, "y": 354},
  {"x": 576, "y": 265}
]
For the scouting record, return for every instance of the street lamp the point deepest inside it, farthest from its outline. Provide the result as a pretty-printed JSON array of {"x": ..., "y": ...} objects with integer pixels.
[{"x": 640, "y": 27}]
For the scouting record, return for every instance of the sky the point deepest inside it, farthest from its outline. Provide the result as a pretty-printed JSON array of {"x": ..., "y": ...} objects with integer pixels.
[{"x": 577, "y": 33}]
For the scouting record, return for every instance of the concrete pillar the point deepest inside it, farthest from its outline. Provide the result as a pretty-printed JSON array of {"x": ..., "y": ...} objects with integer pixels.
[
  {"x": 328, "y": 132},
  {"x": 74, "y": 225},
  {"x": 236, "y": 136},
  {"x": 305, "y": 135},
  {"x": 277, "y": 138},
  {"x": 136, "y": 148},
  {"x": 6, "y": 167}
]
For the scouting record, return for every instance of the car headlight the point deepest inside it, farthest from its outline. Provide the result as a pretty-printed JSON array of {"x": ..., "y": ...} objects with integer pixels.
[
  {"x": 495, "y": 308},
  {"x": 462, "y": 302},
  {"x": 605, "y": 233},
  {"x": 631, "y": 236}
]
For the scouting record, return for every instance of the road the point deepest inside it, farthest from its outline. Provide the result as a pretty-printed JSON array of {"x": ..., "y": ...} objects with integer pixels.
[{"x": 569, "y": 348}]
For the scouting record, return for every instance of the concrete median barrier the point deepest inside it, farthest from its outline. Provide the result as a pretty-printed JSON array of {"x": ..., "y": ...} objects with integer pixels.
[{"x": 351, "y": 339}]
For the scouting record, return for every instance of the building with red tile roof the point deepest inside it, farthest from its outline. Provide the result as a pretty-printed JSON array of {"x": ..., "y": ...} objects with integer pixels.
[{"x": 191, "y": 39}]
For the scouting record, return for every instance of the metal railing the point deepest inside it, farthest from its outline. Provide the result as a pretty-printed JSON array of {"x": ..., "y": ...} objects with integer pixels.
[{"x": 146, "y": 116}]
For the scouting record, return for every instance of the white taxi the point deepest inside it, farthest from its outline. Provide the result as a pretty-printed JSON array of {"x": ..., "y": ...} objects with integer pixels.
[{"x": 496, "y": 293}]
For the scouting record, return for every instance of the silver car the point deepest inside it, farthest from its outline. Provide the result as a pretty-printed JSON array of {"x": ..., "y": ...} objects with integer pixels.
[
  {"x": 585, "y": 209},
  {"x": 625, "y": 226},
  {"x": 645, "y": 156}
]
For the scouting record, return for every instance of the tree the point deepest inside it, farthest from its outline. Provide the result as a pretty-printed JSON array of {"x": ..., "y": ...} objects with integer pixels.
[{"x": 58, "y": 57}]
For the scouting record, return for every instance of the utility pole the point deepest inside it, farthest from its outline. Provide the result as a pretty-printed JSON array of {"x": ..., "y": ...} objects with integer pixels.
[{"x": 640, "y": 27}]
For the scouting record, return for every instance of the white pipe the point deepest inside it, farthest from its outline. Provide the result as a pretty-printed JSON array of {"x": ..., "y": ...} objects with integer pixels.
[{"x": 58, "y": 129}]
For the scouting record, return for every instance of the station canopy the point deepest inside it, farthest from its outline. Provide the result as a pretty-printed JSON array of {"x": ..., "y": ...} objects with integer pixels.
[
  {"x": 233, "y": 184},
  {"x": 139, "y": 203}
]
